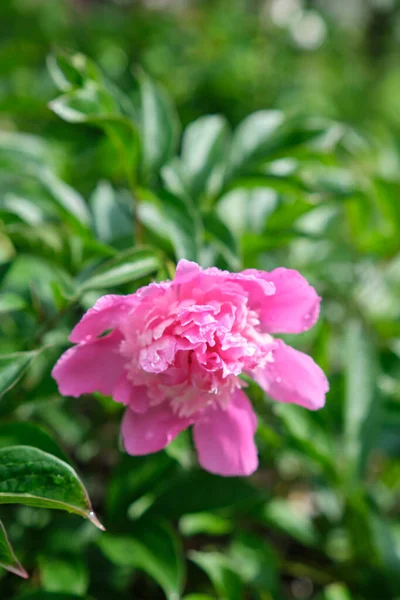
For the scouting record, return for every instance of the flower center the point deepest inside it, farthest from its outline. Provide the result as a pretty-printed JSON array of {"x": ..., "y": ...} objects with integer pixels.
[{"x": 191, "y": 355}]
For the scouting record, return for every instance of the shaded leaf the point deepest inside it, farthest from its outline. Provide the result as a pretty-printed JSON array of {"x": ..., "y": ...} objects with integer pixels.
[
  {"x": 362, "y": 404},
  {"x": 43, "y": 595},
  {"x": 13, "y": 367},
  {"x": 155, "y": 549},
  {"x": 29, "y": 434},
  {"x": 8, "y": 560},
  {"x": 223, "y": 239},
  {"x": 199, "y": 491},
  {"x": 221, "y": 571}
]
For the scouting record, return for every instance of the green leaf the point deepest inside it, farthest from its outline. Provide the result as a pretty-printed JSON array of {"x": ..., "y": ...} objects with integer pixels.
[
  {"x": 10, "y": 302},
  {"x": 124, "y": 268},
  {"x": 112, "y": 217},
  {"x": 66, "y": 197},
  {"x": 206, "y": 523},
  {"x": 159, "y": 126},
  {"x": 42, "y": 595},
  {"x": 73, "y": 71},
  {"x": 256, "y": 561},
  {"x": 254, "y": 137},
  {"x": 221, "y": 571},
  {"x": 13, "y": 367},
  {"x": 223, "y": 239},
  {"x": 336, "y": 591},
  {"x": 383, "y": 532},
  {"x": 171, "y": 218},
  {"x": 309, "y": 436},
  {"x": 91, "y": 104},
  {"x": 96, "y": 106},
  {"x": 362, "y": 404},
  {"x": 134, "y": 478},
  {"x": 32, "y": 477},
  {"x": 8, "y": 560},
  {"x": 198, "y": 597},
  {"x": 247, "y": 210},
  {"x": 198, "y": 491},
  {"x": 281, "y": 514},
  {"x": 29, "y": 434},
  {"x": 155, "y": 549},
  {"x": 67, "y": 574},
  {"x": 204, "y": 145}
]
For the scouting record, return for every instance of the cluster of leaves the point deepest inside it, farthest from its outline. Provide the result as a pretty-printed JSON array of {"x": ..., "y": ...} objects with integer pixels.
[{"x": 318, "y": 519}]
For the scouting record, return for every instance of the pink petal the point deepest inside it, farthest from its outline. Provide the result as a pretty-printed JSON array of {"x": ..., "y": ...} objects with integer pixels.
[
  {"x": 108, "y": 312},
  {"x": 294, "y": 307},
  {"x": 133, "y": 396},
  {"x": 186, "y": 271},
  {"x": 293, "y": 377},
  {"x": 91, "y": 367},
  {"x": 151, "y": 431},
  {"x": 225, "y": 438}
]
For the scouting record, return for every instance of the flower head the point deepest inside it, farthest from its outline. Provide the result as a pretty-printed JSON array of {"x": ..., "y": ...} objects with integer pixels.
[{"x": 176, "y": 351}]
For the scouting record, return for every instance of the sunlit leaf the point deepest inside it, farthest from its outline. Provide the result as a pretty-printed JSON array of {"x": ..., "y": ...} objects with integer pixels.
[
  {"x": 254, "y": 137},
  {"x": 204, "y": 145},
  {"x": 72, "y": 71},
  {"x": 159, "y": 125},
  {"x": 66, "y": 574},
  {"x": 10, "y": 302},
  {"x": 112, "y": 217},
  {"x": 281, "y": 514},
  {"x": 169, "y": 217},
  {"x": 124, "y": 268}
]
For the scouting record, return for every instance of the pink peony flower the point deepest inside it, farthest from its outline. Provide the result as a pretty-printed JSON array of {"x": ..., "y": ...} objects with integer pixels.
[{"x": 177, "y": 348}]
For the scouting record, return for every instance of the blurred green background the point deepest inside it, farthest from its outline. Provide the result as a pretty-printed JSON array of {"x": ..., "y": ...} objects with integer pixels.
[{"x": 238, "y": 133}]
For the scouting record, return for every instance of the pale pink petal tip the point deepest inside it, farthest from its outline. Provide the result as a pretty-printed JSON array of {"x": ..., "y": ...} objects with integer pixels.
[
  {"x": 294, "y": 307},
  {"x": 293, "y": 377}
]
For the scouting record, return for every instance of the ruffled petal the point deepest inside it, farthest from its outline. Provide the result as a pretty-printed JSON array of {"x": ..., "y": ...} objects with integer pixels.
[
  {"x": 225, "y": 438},
  {"x": 92, "y": 367},
  {"x": 293, "y": 377},
  {"x": 294, "y": 307},
  {"x": 108, "y": 312},
  {"x": 151, "y": 431}
]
